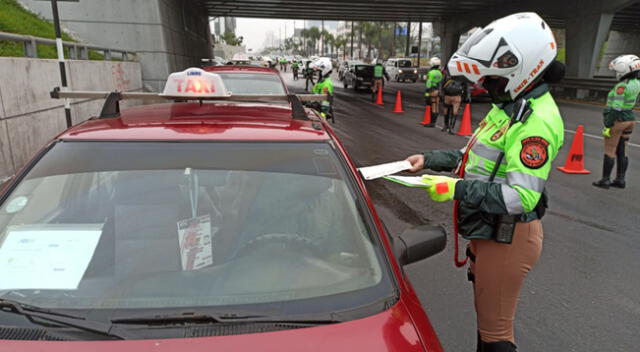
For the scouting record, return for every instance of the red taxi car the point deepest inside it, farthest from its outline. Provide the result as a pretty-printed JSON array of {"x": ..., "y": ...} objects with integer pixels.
[{"x": 223, "y": 225}]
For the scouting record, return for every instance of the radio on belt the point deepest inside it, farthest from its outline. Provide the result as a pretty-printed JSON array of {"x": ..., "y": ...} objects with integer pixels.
[{"x": 195, "y": 83}]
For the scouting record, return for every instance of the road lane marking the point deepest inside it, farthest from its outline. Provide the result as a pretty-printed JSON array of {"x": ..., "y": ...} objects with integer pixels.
[{"x": 599, "y": 137}]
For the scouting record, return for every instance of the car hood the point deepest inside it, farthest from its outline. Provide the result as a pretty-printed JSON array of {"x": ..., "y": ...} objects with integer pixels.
[{"x": 391, "y": 330}]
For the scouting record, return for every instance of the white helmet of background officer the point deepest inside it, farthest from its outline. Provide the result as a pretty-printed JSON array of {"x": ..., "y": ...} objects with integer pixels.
[
  {"x": 434, "y": 61},
  {"x": 625, "y": 64},
  {"x": 323, "y": 65},
  {"x": 510, "y": 54}
]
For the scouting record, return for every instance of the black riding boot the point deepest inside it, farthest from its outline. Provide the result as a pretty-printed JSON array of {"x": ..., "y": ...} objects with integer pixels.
[
  {"x": 621, "y": 166},
  {"x": 446, "y": 123},
  {"x": 500, "y": 346},
  {"x": 607, "y": 167},
  {"x": 434, "y": 118}
]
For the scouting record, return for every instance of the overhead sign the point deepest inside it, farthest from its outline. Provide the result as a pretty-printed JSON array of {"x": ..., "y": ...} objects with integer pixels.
[{"x": 195, "y": 83}]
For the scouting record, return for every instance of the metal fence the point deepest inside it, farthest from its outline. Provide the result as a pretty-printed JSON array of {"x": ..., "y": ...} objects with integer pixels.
[{"x": 77, "y": 51}]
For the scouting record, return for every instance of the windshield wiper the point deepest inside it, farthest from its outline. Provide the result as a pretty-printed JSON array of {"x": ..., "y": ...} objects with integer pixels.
[
  {"x": 60, "y": 318},
  {"x": 196, "y": 318}
]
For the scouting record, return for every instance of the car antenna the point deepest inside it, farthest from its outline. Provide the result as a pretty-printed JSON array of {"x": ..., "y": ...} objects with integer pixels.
[
  {"x": 111, "y": 106},
  {"x": 297, "y": 109}
]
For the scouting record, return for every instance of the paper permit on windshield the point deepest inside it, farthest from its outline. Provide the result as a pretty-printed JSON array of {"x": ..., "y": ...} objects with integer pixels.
[
  {"x": 409, "y": 181},
  {"x": 194, "y": 237},
  {"x": 377, "y": 171},
  {"x": 47, "y": 257}
]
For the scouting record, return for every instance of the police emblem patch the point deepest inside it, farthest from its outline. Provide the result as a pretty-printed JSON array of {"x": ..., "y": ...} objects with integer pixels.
[
  {"x": 534, "y": 152},
  {"x": 620, "y": 90},
  {"x": 500, "y": 133}
]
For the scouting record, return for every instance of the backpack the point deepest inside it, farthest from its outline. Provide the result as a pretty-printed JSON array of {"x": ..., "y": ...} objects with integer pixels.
[{"x": 453, "y": 87}]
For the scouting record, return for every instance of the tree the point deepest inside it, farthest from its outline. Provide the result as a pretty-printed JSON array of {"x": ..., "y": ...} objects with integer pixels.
[
  {"x": 231, "y": 39},
  {"x": 341, "y": 42},
  {"x": 314, "y": 37}
]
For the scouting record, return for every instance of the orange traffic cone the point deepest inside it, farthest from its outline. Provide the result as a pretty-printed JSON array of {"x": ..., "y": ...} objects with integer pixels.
[
  {"x": 427, "y": 116},
  {"x": 575, "y": 159},
  {"x": 379, "y": 98},
  {"x": 398, "y": 107},
  {"x": 465, "y": 126}
]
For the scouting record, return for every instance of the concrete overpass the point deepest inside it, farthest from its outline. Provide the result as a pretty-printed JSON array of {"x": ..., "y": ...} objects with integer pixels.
[{"x": 173, "y": 34}]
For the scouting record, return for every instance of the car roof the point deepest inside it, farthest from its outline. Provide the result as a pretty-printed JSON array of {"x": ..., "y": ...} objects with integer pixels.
[
  {"x": 240, "y": 68},
  {"x": 219, "y": 121}
]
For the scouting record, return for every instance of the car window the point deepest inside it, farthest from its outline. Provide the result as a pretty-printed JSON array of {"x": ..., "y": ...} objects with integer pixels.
[
  {"x": 253, "y": 83},
  {"x": 170, "y": 225},
  {"x": 404, "y": 63}
]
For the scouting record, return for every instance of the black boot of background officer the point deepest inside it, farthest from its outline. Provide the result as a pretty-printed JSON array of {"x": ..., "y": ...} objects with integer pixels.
[
  {"x": 500, "y": 346},
  {"x": 607, "y": 167},
  {"x": 622, "y": 162}
]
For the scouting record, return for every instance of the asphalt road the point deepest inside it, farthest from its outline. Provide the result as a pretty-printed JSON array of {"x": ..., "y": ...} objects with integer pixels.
[{"x": 584, "y": 293}]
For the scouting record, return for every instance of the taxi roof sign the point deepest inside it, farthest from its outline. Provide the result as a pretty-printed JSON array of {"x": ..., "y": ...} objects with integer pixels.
[{"x": 195, "y": 83}]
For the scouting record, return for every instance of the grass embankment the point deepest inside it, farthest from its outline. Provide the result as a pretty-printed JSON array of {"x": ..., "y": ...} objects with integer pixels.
[{"x": 16, "y": 19}]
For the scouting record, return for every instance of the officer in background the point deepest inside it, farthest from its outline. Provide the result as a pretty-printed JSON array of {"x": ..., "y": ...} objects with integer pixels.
[
  {"x": 379, "y": 73},
  {"x": 432, "y": 89},
  {"x": 455, "y": 91},
  {"x": 502, "y": 171},
  {"x": 295, "y": 67},
  {"x": 308, "y": 76},
  {"x": 619, "y": 120},
  {"x": 324, "y": 86}
]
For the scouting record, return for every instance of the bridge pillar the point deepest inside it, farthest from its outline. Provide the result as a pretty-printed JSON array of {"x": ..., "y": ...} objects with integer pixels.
[
  {"x": 449, "y": 31},
  {"x": 585, "y": 36}
]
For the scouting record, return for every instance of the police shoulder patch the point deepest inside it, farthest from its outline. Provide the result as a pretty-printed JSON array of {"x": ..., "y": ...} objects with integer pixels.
[
  {"x": 620, "y": 90},
  {"x": 534, "y": 153}
]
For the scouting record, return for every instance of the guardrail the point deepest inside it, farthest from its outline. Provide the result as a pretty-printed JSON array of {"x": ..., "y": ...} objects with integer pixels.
[
  {"x": 592, "y": 84},
  {"x": 77, "y": 51}
]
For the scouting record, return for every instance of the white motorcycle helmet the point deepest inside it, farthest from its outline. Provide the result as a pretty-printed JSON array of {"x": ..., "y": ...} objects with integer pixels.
[
  {"x": 434, "y": 61},
  {"x": 508, "y": 55},
  {"x": 625, "y": 64},
  {"x": 323, "y": 65}
]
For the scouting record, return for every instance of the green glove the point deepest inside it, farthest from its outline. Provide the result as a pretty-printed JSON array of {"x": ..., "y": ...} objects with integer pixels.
[
  {"x": 442, "y": 188},
  {"x": 606, "y": 132}
]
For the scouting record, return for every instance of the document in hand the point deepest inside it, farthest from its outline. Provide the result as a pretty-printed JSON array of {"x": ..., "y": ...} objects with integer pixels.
[
  {"x": 377, "y": 171},
  {"x": 409, "y": 181}
]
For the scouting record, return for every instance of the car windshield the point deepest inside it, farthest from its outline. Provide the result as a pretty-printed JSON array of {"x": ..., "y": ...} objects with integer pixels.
[
  {"x": 253, "y": 83},
  {"x": 149, "y": 225},
  {"x": 404, "y": 63},
  {"x": 364, "y": 69}
]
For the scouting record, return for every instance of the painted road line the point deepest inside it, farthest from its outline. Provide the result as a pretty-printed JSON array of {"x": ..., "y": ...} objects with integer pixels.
[{"x": 599, "y": 137}]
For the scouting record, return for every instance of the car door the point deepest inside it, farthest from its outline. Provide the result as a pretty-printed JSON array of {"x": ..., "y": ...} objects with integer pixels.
[{"x": 390, "y": 68}]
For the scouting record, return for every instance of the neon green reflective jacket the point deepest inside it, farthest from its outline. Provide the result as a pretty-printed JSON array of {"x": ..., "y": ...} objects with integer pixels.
[
  {"x": 319, "y": 88},
  {"x": 434, "y": 77},
  {"x": 378, "y": 71},
  {"x": 624, "y": 95},
  {"x": 529, "y": 149}
]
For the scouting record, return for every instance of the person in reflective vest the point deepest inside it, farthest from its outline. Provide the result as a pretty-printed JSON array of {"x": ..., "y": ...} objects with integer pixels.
[
  {"x": 619, "y": 120},
  {"x": 295, "y": 67},
  {"x": 501, "y": 174},
  {"x": 379, "y": 73},
  {"x": 432, "y": 90},
  {"x": 324, "y": 85}
]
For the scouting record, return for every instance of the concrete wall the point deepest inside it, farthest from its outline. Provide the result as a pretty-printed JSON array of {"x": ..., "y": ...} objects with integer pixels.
[
  {"x": 169, "y": 35},
  {"x": 619, "y": 43},
  {"x": 29, "y": 118}
]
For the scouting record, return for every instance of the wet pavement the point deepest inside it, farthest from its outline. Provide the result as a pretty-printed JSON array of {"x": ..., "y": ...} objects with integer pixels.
[{"x": 584, "y": 293}]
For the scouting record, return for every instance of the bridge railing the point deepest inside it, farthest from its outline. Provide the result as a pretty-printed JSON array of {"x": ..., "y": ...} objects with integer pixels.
[{"x": 77, "y": 51}]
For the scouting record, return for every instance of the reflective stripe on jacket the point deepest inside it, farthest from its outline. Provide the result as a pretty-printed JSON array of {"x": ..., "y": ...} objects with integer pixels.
[{"x": 529, "y": 149}]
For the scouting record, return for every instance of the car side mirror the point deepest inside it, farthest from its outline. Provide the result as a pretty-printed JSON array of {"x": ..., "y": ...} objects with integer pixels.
[{"x": 419, "y": 242}]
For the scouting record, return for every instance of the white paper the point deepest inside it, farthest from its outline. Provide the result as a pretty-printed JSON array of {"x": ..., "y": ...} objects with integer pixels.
[
  {"x": 47, "y": 257},
  {"x": 409, "y": 181},
  {"x": 194, "y": 237},
  {"x": 377, "y": 171}
]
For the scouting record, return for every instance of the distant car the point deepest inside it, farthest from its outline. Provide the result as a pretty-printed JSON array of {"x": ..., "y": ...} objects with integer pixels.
[
  {"x": 250, "y": 79},
  {"x": 359, "y": 77},
  {"x": 345, "y": 65},
  {"x": 211, "y": 224},
  {"x": 401, "y": 70}
]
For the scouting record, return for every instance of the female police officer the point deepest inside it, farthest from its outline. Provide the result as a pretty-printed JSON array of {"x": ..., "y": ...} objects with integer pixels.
[
  {"x": 503, "y": 169},
  {"x": 619, "y": 119}
]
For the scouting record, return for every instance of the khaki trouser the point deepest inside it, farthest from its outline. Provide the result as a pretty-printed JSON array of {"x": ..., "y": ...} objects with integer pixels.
[
  {"x": 454, "y": 102},
  {"x": 499, "y": 271},
  {"x": 619, "y": 129}
]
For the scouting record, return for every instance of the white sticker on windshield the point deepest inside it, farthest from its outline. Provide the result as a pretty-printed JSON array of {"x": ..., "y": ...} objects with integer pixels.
[
  {"x": 194, "y": 238},
  {"x": 47, "y": 257}
]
